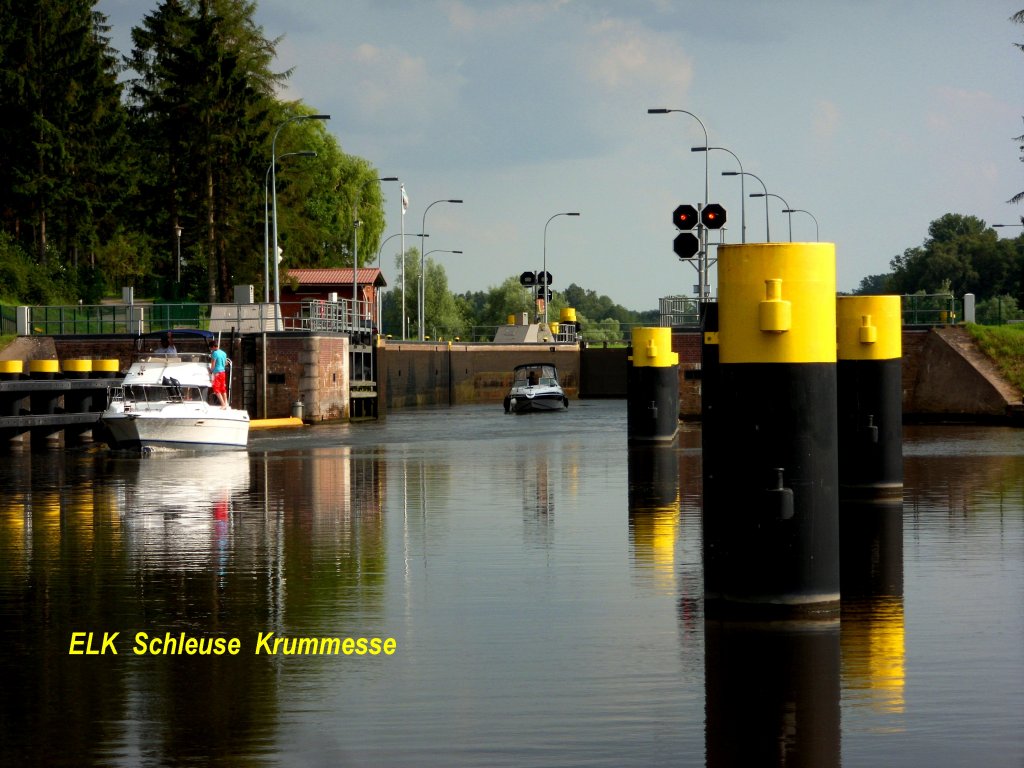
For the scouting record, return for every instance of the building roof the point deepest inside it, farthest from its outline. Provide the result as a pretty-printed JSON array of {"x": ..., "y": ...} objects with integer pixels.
[{"x": 341, "y": 276}]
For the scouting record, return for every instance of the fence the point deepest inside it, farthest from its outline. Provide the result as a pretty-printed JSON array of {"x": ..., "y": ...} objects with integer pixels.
[
  {"x": 928, "y": 309},
  {"x": 146, "y": 318}
]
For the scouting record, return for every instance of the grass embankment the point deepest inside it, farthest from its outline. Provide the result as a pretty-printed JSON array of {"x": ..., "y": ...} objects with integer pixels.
[{"x": 1005, "y": 345}]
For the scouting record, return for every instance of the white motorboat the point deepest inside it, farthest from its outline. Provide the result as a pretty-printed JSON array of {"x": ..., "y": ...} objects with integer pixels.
[
  {"x": 163, "y": 402},
  {"x": 535, "y": 387}
]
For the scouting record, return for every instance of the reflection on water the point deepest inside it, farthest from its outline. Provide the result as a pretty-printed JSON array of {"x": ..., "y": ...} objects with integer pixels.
[{"x": 543, "y": 584}]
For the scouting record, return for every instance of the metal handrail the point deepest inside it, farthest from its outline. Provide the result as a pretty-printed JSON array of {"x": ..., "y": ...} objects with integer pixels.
[{"x": 140, "y": 318}]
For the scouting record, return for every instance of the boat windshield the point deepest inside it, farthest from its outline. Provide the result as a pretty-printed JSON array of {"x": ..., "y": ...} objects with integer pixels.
[
  {"x": 159, "y": 393},
  {"x": 537, "y": 374}
]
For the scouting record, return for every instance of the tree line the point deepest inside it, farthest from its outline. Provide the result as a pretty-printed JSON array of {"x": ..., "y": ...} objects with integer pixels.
[
  {"x": 451, "y": 315},
  {"x": 112, "y": 164},
  {"x": 961, "y": 254}
]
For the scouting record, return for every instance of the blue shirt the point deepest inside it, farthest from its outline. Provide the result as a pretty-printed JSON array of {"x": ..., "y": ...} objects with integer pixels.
[{"x": 218, "y": 359}]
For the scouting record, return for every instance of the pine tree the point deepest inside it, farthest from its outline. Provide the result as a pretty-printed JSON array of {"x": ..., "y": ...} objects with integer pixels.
[
  {"x": 63, "y": 127},
  {"x": 202, "y": 98}
]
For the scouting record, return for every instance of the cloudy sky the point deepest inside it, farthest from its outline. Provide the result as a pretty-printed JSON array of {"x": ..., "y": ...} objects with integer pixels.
[{"x": 875, "y": 116}]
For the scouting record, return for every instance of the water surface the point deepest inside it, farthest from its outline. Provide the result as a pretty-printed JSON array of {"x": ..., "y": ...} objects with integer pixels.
[{"x": 541, "y": 583}]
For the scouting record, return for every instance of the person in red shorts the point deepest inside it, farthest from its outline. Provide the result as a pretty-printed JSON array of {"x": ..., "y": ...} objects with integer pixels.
[{"x": 218, "y": 368}]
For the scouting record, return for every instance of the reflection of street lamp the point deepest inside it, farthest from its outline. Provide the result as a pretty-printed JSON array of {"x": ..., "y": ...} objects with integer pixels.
[
  {"x": 743, "y": 202},
  {"x": 436, "y": 250},
  {"x": 423, "y": 282},
  {"x": 177, "y": 235},
  {"x": 702, "y": 258},
  {"x": 801, "y": 210},
  {"x": 741, "y": 174},
  {"x": 545, "y": 271},
  {"x": 766, "y": 195},
  {"x": 273, "y": 180},
  {"x": 266, "y": 226},
  {"x": 380, "y": 316},
  {"x": 355, "y": 246}
]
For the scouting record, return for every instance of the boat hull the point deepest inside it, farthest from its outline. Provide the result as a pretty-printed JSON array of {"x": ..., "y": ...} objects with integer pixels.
[
  {"x": 154, "y": 430},
  {"x": 524, "y": 402}
]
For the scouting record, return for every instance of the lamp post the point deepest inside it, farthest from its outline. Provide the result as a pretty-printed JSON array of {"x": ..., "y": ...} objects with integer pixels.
[
  {"x": 702, "y": 260},
  {"x": 545, "y": 270},
  {"x": 355, "y": 247},
  {"x": 380, "y": 317},
  {"x": 801, "y": 210},
  {"x": 423, "y": 261},
  {"x": 266, "y": 222},
  {"x": 741, "y": 174},
  {"x": 177, "y": 236},
  {"x": 1006, "y": 225},
  {"x": 743, "y": 201},
  {"x": 766, "y": 195},
  {"x": 436, "y": 250},
  {"x": 273, "y": 180}
]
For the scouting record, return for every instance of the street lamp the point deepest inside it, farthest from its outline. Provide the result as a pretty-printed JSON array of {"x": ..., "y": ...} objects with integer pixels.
[
  {"x": 766, "y": 195},
  {"x": 266, "y": 225},
  {"x": 743, "y": 202},
  {"x": 177, "y": 235},
  {"x": 545, "y": 272},
  {"x": 380, "y": 317},
  {"x": 801, "y": 210},
  {"x": 273, "y": 179},
  {"x": 355, "y": 246},
  {"x": 423, "y": 260},
  {"x": 741, "y": 174},
  {"x": 702, "y": 266}
]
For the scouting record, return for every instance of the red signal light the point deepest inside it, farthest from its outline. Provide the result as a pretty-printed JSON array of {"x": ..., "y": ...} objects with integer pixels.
[
  {"x": 685, "y": 216},
  {"x": 713, "y": 216}
]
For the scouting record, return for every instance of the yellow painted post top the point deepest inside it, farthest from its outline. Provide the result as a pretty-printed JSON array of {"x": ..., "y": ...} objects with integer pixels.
[
  {"x": 78, "y": 365},
  {"x": 652, "y": 348},
  {"x": 869, "y": 327},
  {"x": 43, "y": 366},
  {"x": 11, "y": 366},
  {"x": 106, "y": 366},
  {"x": 777, "y": 303},
  {"x": 567, "y": 315}
]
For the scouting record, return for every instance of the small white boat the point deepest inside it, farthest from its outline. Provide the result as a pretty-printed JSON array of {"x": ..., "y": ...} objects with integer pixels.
[
  {"x": 535, "y": 387},
  {"x": 163, "y": 402}
]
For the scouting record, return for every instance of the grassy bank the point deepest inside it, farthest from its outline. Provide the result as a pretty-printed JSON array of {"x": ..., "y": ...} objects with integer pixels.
[{"x": 1005, "y": 345}]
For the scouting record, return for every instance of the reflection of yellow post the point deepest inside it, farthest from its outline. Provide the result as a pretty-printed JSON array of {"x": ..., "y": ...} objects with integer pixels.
[
  {"x": 653, "y": 536},
  {"x": 874, "y": 654},
  {"x": 653, "y": 472}
]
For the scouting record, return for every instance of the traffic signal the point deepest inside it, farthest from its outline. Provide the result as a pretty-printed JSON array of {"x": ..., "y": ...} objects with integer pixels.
[
  {"x": 686, "y": 245},
  {"x": 684, "y": 216},
  {"x": 713, "y": 216}
]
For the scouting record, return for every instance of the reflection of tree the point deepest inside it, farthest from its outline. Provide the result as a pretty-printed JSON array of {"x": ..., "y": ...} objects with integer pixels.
[
  {"x": 169, "y": 545},
  {"x": 961, "y": 485},
  {"x": 334, "y": 545}
]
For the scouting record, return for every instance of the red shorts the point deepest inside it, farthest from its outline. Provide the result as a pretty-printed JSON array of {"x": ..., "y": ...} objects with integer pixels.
[{"x": 220, "y": 383}]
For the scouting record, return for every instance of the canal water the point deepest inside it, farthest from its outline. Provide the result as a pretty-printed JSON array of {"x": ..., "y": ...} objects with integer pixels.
[{"x": 458, "y": 587}]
